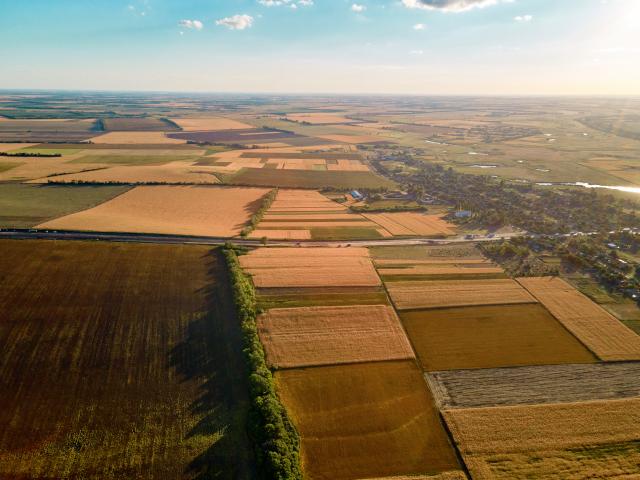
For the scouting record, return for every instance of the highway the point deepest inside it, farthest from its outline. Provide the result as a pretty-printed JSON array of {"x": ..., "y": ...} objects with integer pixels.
[{"x": 31, "y": 234}]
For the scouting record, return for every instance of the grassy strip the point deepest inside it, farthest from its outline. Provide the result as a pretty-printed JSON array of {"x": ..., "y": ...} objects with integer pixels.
[
  {"x": 256, "y": 218},
  {"x": 276, "y": 440}
]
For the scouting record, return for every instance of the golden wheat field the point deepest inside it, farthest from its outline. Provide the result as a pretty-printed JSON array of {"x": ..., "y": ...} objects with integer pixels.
[
  {"x": 190, "y": 124},
  {"x": 411, "y": 223},
  {"x": 201, "y": 210},
  {"x": 456, "y": 293},
  {"x": 441, "y": 269},
  {"x": 491, "y": 336},
  {"x": 300, "y": 337},
  {"x": 310, "y": 267},
  {"x": 281, "y": 234},
  {"x": 136, "y": 138},
  {"x": 172, "y": 172},
  {"x": 607, "y": 337},
  {"x": 570, "y": 441},
  {"x": 365, "y": 420}
]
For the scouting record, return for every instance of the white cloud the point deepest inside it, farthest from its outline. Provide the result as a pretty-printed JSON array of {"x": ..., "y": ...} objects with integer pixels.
[
  {"x": 419, "y": 26},
  {"x": 523, "y": 18},
  {"x": 416, "y": 52},
  {"x": 236, "y": 22},
  {"x": 193, "y": 24},
  {"x": 291, "y": 3},
  {"x": 358, "y": 8},
  {"x": 451, "y": 5}
]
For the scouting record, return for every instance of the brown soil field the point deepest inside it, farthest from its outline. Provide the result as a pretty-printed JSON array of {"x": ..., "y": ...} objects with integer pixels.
[
  {"x": 535, "y": 385},
  {"x": 456, "y": 293},
  {"x": 600, "y": 331},
  {"x": 311, "y": 336},
  {"x": 493, "y": 336},
  {"x": 310, "y": 267},
  {"x": 281, "y": 234},
  {"x": 572, "y": 441},
  {"x": 434, "y": 262},
  {"x": 284, "y": 216},
  {"x": 137, "y": 124},
  {"x": 173, "y": 172},
  {"x": 44, "y": 130},
  {"x": 136, "y": 138},
  {"x": 409, "y": 223},
  {"x": 365, "y": 420},
  {"x": 213, "y": 211},
  {"x": 190, "y": 124},
  {"x": 119, "y": 361}
]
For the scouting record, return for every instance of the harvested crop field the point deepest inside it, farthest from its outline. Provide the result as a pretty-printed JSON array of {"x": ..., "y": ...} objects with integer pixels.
[
  {"x": 457, "y": 251},
  {"x": 137, "y": 124},
  {"x": 320, "y": 297},
  {"x": 572, "y": 441},
  {"x": 410, "y": 223},
  {"x": 319, "y": 118},
  {"x": 493, "y": 336},
  {"x": 441, "y": 270},
  {"x": 36, "y": 131},
  {"x": 365, "y": 420},
  {"x": 190, "y": 124},
  {"x": 182, "y": 210},
  {"x": 308, "y": 179},
  {"x": 136, "y": 138},
  {"x": 9, "y": 147},
  {"x": 356, "y": 139},
  {"x": 246, "y": 136},
  {"x": 119, "y": 361},
  {"x": 310, "y": 267},
  {"x": 281, "y": 234},
  {"x": 24, "y": 206},
  {"x": 456, "y": 293},
  {"x": 311, "y": 336},
  {"x": 535, "y": 385},
  {"x": 173, "y": 172},
  {"x": 600, "y": 331}
]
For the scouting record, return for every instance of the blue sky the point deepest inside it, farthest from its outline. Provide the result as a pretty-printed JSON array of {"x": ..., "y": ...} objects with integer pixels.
[{"x": 336, "y": 46}]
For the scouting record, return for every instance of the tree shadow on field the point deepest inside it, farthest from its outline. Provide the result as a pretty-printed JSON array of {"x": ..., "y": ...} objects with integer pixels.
[
  {"x": 252, "y": 208},
  {"x": 211, "y": 353}
]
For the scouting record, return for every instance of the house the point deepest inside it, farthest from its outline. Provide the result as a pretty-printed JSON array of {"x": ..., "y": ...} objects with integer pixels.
[
  {"x": 463, "y": 214},
  {"x": 357, "y": 195}
]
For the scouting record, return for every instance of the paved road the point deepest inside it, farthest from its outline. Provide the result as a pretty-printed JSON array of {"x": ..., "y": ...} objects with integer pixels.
[{"x": 184, "y": 239}]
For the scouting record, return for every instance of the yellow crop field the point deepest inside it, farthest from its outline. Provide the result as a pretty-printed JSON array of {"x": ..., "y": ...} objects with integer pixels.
[
  {"x": 440, "y": 270},
  {"x": 411, "y": 223},
  {"x": 456, "y": 293},
  {"x": 300, "y": 337},
  {"x": 190, "y": 124},
  {"x": 491, "y": 336},
  {"x": 136, "y": 138},
  {"x": 570, "y": 441},
  {"x": 607, "y": 337},
  {"x": 365, "y": 420},
  {"x": 312, "y": 267},
  {"x": 214, "y": 211}
]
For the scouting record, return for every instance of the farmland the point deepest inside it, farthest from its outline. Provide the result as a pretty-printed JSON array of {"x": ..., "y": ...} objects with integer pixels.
[
  {"x": 365, "y": 420},
  {"x": 313, "y": 179},
  {"x": 535, "y": 385},
  {"x": 573, "y": 440},
  {"x": 407, "y": 295},
  {"x": 300, "y": 337},
  {"x": 493, "y": 336},
  {"x": 412, "y": 224},
  {"x": 41, "y": 130},
  {"x": 115, "y": 364},
  {"x": 24, "y": 206},
  {"x": 222, "y": 211},
  {"x": 318, "y": 267},
  {"x": 596, "y": 328},
  {"x": 137, "y": 124}
]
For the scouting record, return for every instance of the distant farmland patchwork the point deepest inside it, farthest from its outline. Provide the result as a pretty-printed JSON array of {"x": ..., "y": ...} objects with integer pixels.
[{"x": 119, "y": 361}]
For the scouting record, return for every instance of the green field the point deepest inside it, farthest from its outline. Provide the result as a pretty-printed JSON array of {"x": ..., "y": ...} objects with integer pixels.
[
  {"x": 27, "y": 205},
  {"x": 306, "y": 179},
  {"x": 326, "y": 296},
  {"x": 117, "y": 365}
]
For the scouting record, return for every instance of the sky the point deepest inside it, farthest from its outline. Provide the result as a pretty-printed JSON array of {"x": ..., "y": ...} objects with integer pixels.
[{"x": 425, "y": 47}]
